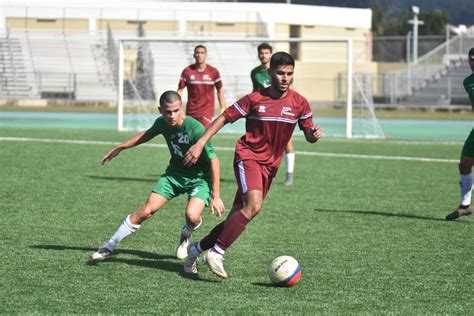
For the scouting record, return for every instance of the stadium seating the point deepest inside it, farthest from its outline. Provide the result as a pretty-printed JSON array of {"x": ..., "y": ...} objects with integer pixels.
[
  {"x": 14, "y": 78},
  {"x": 60, "y": 64}
]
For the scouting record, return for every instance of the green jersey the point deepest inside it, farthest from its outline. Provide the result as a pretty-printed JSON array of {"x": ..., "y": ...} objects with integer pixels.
[
  {"x": 179, "y": 140},
  {"x": 260, "y": 78},
  {"x": 469, "y": 86}
]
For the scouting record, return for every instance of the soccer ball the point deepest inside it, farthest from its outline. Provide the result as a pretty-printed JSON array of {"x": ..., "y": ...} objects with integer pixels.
[{"x": 284, "y": 271}]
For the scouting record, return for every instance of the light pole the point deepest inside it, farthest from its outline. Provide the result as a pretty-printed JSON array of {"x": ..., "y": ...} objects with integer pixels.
[{"x": 415, "y": 23}]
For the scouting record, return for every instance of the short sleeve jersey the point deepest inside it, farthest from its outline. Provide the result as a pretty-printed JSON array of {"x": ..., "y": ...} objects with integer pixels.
[
  {"x": 200, "y": 85},
  {"x": 469, "y": 86},
  {"x": 269, "y": 124},
  {"x": 179, "y": 140},
  {"x": 260, "y": 78}
]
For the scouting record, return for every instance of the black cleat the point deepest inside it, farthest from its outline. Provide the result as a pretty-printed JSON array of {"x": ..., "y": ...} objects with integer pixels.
[{"x": 462, "y": 210}]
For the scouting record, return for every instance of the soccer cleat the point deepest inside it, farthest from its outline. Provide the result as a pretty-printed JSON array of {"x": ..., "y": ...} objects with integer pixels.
[
  {"x": 215, "y": 262},
  {"x": 190, "y": 263},
  {"x": 462, "y": 210},
  {"x": 182, "y": 250},
  {"x": 289, "y": 178},
  {"x": 101, "y": 254}
]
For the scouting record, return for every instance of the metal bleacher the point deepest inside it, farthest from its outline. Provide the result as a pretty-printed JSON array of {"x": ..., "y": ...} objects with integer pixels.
[
  {"x": 58, "y": 64},
  {"x": 14, "y": 79},
  {"x": 445, "y": 87},
  {"x": 75, "y": 65}
]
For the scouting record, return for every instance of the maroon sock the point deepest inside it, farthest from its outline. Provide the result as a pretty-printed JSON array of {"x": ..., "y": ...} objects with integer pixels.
[
  {"x": 235, "y": 225},
  {"x": 209, "y": 241}
]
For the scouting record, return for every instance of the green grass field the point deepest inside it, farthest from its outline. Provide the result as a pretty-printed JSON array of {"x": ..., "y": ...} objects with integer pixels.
[{"x": 369, "y": 233}]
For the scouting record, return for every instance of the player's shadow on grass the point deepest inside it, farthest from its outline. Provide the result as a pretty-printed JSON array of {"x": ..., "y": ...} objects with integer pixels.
[
  {"x": 138, "y": 253},
  {"x": 124, "y": 178},
  {"x": 262, "y": 284},
  {"x": 387, "y": 214},
  {"x": 149, "y": 259}
]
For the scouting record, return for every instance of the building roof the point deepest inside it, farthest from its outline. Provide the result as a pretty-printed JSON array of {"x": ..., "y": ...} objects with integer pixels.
[{"x": 213, "y": 11}]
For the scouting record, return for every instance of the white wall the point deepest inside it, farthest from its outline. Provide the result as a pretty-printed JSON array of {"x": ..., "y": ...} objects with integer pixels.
[{"x": 182, "y": 11}]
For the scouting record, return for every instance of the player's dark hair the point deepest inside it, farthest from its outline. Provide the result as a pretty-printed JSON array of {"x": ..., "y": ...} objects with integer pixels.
[
  {"x": 169, "y": 97},
  {"x": 471, "y": 52},
  {"x": 265, "y": 46},
  {"x": 200, "y": 46},
  {"x": 281, "y": 59}
]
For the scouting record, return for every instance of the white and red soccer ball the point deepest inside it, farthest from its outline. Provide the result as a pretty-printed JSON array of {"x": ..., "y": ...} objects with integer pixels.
[{"x": 284, "y": 271}]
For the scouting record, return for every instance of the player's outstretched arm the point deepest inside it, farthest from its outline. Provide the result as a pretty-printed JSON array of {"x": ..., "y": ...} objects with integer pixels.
[
  {"x": 193, "y": 154},
  {"x": 138, "y": 139},
  {"x": 217, "y": 206},
  {"x": 313, "y": 134}
]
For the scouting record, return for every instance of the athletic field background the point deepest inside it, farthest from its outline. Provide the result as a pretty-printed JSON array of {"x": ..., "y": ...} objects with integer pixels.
[
  {"x": 365, "y": 219},
  {"x": 438, "y": 129}
]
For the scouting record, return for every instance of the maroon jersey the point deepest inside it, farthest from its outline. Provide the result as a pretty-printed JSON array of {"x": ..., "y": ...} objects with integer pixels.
[
  {"x": 200, "y": 85},
  {"x": 269, "y": 124}
]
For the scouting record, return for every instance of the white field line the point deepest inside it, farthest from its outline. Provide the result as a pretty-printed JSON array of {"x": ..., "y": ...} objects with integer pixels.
[{"x": 304, "y": 153}]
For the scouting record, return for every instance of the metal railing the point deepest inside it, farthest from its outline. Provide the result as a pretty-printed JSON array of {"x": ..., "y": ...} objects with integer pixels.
[
  {"x": 431, "y": 67},
  {"x": 56, "y": 85}
]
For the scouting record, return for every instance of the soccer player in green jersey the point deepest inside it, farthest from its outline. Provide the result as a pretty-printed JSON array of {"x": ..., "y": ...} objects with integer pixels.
[
  {"x": 200, "y": 182},
  {"x": 467, "y": 154},
  {"x": 261, "y": 80}
]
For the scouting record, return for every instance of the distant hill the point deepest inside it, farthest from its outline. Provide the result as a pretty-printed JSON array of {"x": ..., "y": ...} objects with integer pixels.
[{"x": 459, "y": 11}]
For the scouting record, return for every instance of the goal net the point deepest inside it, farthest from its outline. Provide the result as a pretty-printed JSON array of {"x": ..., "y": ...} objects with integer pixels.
[{"x": 150, "y": 66}]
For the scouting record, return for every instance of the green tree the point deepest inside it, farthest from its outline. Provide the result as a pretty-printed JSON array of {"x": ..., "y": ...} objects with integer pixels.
[{"x": 434, "y": 23}]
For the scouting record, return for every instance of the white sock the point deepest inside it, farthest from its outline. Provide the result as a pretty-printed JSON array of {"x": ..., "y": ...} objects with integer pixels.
[
  {"x": 187, "y": 231},
  {"x": 465, "y": 185},
  {"x": 126, "y": 229},
  {"x": 290, "y": 162},
  {"x": 218, "y": 250}
]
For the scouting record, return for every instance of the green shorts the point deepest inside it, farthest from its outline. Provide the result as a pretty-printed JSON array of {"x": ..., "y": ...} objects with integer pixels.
[
  {"x": 468, "y": 148},
  {"x": 172, "y": 184}
]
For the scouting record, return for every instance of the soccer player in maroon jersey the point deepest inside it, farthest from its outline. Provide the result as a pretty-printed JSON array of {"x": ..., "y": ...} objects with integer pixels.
[
  {"x": 261, "y": 80},
  {"x": 271, "y": 116},
  {"x": 200, "y": 79}
]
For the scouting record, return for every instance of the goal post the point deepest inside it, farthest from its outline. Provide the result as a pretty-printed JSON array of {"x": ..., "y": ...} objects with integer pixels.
[{"x": 234, "y": 57}]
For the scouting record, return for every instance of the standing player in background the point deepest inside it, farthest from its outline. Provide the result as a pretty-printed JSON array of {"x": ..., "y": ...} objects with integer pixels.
[
  {"x": 200, "y": 182},
  {"x": 271, "y": 116},
  {"x": 467, "y": 154},
  {"x": 261, "y": 80},
  {"x": 200, "y": 79}
]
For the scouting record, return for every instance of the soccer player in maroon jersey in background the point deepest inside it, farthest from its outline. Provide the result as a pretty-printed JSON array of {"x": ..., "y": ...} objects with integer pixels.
[
  {"x": 271, "y": 116},
  {"x": 200, "y": 79}
]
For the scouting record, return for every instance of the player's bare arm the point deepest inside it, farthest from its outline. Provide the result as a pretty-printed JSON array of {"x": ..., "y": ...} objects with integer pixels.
[
  {"x": 180, "y": 91},
  {"x": 193, "y": 154},
  {"x": 220, "y": 97},
  {"x": 313, "y": 134},
  {"x": 138, "y": 139},
  {"x": 217, "y": 206}
]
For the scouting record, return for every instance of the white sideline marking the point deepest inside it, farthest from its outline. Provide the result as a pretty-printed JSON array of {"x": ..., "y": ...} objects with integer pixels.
[{"x": 305, "y": 153}]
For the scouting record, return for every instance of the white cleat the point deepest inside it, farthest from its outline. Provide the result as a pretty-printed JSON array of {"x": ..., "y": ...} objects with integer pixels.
[
  {"x": 190, "y": 265},
  {"x": 182, "y": 250},
  {"x": 191, "y": 261},
  {"x": 289, "y": 178},
  {"x": 215, "y": 262},
  {"x": 101, "y": 254}
]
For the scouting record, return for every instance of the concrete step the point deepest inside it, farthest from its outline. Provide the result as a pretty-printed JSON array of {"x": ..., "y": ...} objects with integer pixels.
[{"x": 425, "y": 100}]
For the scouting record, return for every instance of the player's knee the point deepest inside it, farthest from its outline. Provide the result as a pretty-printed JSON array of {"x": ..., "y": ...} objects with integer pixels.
[
  {"x": 465, "y": 167},
  {"x": 193, "y": 219},
  {"x": 146, "y": 211},
  {"x": 253, "y": 208}
]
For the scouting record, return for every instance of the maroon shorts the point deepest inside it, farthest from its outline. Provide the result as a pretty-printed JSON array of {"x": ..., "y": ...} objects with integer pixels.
[
  {"x": 204, "y": 121},
  {"x": 251, "y": 175}
]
